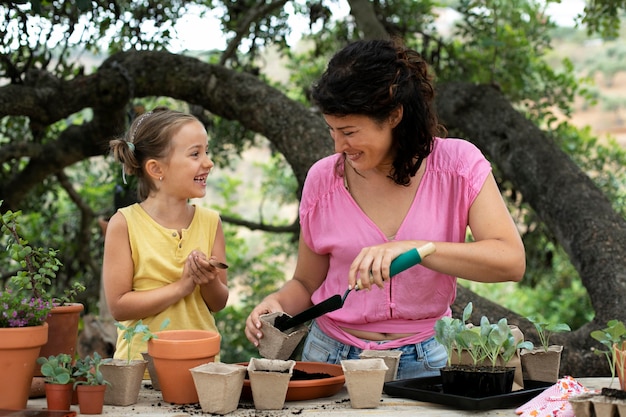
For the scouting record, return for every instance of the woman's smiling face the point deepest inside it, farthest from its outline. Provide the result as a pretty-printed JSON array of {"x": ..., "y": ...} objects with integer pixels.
[{"x": 365, "y": 142}]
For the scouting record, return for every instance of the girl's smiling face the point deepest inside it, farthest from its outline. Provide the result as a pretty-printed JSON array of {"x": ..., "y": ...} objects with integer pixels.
[
  {"x": 366, "y": 143},
  {"x": 189, "y": 164}
]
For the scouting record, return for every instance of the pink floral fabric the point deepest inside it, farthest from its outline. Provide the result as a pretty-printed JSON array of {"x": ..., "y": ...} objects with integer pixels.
[{"x": 553, "y": 402}]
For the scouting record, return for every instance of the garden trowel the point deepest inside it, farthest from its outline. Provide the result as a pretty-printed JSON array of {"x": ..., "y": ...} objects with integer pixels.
[{"x": 402, "y": 262}]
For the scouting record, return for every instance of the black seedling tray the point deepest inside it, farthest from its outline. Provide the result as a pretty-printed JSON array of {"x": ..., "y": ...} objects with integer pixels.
[{"x": 429, "y": 390}]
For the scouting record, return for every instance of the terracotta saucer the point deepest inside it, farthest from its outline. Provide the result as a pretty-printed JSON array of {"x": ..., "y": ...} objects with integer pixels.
[{"x": 300, "y": 390}]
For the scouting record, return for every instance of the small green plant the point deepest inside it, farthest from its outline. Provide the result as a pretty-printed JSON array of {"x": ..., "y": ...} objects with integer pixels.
[
  {"x": 485, "y": 342},
  {"x": 36, "y": 267},
  {"x": 614, "y": 335},
  {"x": 136, "y": 329},
  {"x": 87, "y": 371},
  {"x": 545, "y": 330},
  {"x": 57, "y": 369},
  {"x": 447, "y": 331}
]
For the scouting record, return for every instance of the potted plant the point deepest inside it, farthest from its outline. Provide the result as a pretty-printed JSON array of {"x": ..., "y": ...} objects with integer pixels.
[
  {"x": 57, "y": 371},
  {"x": 613, "y": 337},
  {"x": 543, "y": 362},
  {"x": 23, "y": 314},
  {"x": 603, "y": 404},
  {"x": 490, "y": 346},
  {"x": 37, "y": 268},
  {"x": 90, "y": 384},
  {"x": 125, "y": 375}
]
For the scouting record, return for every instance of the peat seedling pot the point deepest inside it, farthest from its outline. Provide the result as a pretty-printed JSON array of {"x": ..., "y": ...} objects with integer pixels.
[
  {"x": 125, "y": 379},
  {"x": 541, "y": 365},
  {"x": 151, "y": 371},
  {"x": 477, "y": 381},
  {"x": 269, "y": 380},
  {"x": 276, "y": 344},
  {"x": 365, "y": 379},
  {"x": 219, "y": 386},
  {"x": 607, "y": 403},
  {"x": 391, "y": 358}
]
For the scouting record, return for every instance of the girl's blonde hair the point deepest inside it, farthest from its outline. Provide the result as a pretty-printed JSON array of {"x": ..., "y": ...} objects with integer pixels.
[{"x": 149, "y": 137}]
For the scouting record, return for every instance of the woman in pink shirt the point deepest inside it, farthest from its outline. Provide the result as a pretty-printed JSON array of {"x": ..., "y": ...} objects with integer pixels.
[{"x": 392, "y": 185}]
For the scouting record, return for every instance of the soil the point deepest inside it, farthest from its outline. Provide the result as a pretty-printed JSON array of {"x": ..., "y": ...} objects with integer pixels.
[
  {"x": 614, "y": 393},
  {"x": 299, "y": 375}
]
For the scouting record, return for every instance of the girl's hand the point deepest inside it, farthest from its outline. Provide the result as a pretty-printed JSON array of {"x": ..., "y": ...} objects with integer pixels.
[
  {"x": 200, "y": 269},
  {"x": 253, "y": 323}
]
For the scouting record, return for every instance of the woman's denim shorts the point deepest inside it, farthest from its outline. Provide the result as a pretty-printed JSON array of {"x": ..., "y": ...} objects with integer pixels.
[{"x": 417, "y": 360}]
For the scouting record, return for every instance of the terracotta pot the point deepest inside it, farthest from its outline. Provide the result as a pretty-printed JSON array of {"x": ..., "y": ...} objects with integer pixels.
[
  {"x": 19, "y": 350},
  {"x": 59, "y": 396},
  {"x": 365, "y": 379},
  {"x": 620, "y": 364},
  {"x": 174, "y": 353},
  {"x": 91, "y": 398},
  {"x": 125, "y": 379},
  {"x": 302, "y": 389},
  {"x": 63, "y": 332},
  {"x": 541, "y": 365},
  {"x": 218, "y": 386},
  {"x": 477, "y": 382}
]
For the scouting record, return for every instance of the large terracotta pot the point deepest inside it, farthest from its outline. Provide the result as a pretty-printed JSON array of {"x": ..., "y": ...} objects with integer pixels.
[
  {"x": 174, "y": 353},
  {"x": 19, "y": 350},
  {"x": 63, "y": 332}
]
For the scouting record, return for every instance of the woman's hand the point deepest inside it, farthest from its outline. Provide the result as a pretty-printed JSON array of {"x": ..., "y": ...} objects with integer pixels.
[
  {"x": 372, "y": 264},
  {"x": 253, "y": 323}
]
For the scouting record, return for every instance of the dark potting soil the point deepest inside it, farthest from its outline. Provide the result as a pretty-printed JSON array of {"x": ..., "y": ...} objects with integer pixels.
[
  {"x": 614, "y": 393},
  {"x": 299, "y": 375}
]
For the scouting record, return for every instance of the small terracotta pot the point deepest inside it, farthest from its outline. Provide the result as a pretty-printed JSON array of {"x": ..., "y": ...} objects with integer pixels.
[
  {"x": 218, "y": 386},
  {"x": 620, "y": 364},
  {"x": 174, "y": 353},
  {"x": 269, "y": 381},
  {"x": 91, "y": 398},
  {"x": 364, "y": 379},
  {"x": 59, "y": 396}
]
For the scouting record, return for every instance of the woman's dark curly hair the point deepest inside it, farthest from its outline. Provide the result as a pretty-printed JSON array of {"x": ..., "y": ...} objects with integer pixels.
[{"x": 375, "y": 77}]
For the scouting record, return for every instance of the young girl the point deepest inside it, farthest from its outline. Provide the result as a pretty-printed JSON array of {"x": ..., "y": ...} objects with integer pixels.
[{"x": 157, "y": 252}]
